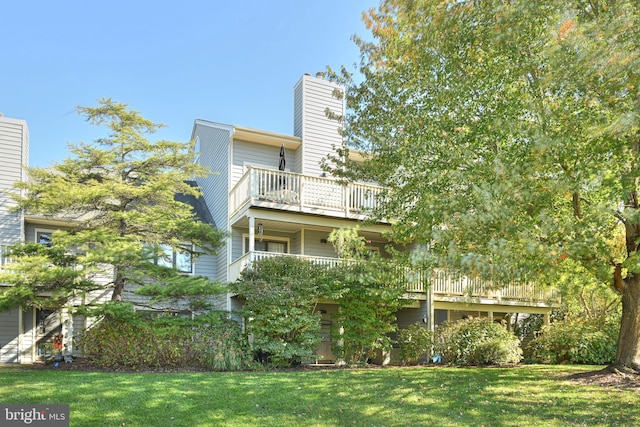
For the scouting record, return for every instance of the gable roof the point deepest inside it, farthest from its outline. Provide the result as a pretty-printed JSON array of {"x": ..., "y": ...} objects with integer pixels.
[{"x": 198, "y": 205}]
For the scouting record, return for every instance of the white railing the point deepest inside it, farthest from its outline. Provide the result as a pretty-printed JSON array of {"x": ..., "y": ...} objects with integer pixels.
[
  {"x": 245, "y": 261},
  {"x": 418, "y": 280},
  {"x": 303, "y": 191},
  {"x": 444, "y": 283}
]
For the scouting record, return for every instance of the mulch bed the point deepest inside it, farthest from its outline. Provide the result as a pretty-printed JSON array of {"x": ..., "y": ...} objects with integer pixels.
[{"x": 607, "y": 378}]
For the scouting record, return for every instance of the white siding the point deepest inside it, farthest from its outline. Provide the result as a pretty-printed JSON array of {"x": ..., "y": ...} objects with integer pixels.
[
  {"x": 14, "y": 146},
  {"x": 312, "y": 97}
]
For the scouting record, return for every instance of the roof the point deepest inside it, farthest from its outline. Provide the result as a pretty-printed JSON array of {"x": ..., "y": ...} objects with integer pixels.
[{"x": 198, "y": 205}]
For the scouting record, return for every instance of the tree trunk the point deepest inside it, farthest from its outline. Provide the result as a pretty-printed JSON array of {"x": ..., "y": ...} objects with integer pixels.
[
  {"x": 118, "y": 287},
  {"x": 628, "y": 356}
]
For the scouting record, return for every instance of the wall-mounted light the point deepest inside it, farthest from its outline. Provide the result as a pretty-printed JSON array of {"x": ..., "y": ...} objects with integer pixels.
[
  {"x": 260, "y": 231},
  {"x": 323, "y": 241}
]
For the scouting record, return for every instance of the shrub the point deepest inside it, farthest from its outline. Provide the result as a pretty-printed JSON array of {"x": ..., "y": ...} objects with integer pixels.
[
  {"x": 369, "y": 295},
  {"x": 280, "y": 295},
  {"x": 415, "y": 343},
  {"x": 210, "y": 342},
  {"x": 476, "y": 342},
  {"x": 579, "y": 341}
]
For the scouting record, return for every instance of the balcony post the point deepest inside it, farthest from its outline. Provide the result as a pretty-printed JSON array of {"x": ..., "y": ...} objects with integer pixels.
[
  {"x": 302, "y": 190},
  {"x": 345, "y": 199},
  {"x": 252, "y": 234}
]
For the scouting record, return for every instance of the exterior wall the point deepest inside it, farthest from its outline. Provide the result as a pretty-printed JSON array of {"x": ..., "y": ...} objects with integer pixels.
[
  {"x": 9, "y": 332},
  {"x": 14, "y": 149},
  {"x": 28, "y": 336},
  {"x": 312, "y": 97},
  {"x": 313, "y": 246},
  {"x": 259, "y": 155},
  {"x": 408, "y": 316},
  {"x": 215, "y": 140}
]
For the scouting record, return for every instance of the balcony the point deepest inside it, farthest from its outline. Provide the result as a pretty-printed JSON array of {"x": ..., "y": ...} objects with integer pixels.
[
  {"x": 302, "y": 193},
  {"x": 418, "y": 282}
]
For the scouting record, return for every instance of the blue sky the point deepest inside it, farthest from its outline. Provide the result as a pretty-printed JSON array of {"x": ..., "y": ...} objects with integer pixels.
[{"x": 233, "y": 62}]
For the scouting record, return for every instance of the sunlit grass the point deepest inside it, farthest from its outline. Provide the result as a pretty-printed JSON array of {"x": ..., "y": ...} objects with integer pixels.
[{"x": 521, "y": 396}]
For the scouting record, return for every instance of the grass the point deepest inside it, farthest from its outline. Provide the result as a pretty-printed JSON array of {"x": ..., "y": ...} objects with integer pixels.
[{"x": 522, "y": 396}]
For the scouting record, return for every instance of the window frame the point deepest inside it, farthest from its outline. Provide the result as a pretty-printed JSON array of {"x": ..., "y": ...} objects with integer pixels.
[
  {"x": 39, "y": 231},
  {"x": 174, "y": 257},
  {"x": 274, "y": 239}
]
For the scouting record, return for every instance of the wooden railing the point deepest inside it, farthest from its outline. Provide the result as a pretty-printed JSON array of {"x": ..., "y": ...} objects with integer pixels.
[
  {"x": 420, "y": 280},
  {"x": 303, "y": 191},
  {"x": 446, "y": 284}
]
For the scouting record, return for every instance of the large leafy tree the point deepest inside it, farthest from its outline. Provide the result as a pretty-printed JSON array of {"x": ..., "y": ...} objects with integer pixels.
[
  {"x": 120, "y": 202},
  {"x": 507, "y": 136}
]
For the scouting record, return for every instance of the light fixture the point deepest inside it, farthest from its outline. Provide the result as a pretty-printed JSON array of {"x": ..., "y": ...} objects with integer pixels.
[
  {"x": 323, "y": 241},
  {"x": 260, "y": 231}
]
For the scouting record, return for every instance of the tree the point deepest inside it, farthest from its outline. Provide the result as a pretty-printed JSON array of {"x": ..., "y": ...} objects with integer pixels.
[
  {"x": 280, "y": 297},
  {"x": 506, "y": 134},
  {"x": 369, "y": 290},
  {"x": 120, "y": 202}
]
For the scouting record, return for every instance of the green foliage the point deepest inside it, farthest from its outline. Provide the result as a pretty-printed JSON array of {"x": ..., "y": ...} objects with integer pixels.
[
  {"x": 280, "y": 295},
  {"x": 580, "y": 341},
  {"x": 210, "y": 342},
  {"x": 476, "y": 342},
  {"x": 415, "y": 343},
  {"x": 505, "y": 135},
  {"x": 119, "y": 199},
  {"x": 369, "y": 293}
]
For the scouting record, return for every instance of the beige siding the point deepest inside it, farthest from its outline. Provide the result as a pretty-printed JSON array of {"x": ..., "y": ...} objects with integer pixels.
[
  {"x": 313, "y": 246},
  {"x": 312, "y": 97},
  {"x": 258, "y": 155}
]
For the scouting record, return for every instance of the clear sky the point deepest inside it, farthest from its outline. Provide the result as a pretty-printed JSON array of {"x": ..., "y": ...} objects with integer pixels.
[{"x": 232, "y": 62}]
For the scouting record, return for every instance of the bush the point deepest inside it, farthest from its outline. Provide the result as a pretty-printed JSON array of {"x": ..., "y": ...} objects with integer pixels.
[
  {"x": 415, "y": 343},
  {"x": 578, "y": 341},
  {"x": 476, "y": 342},
  {"x": 280, "y": 295},
  {"x": 210, "y": 342}
]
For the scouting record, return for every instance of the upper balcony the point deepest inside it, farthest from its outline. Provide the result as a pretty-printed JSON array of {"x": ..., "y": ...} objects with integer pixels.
[{"x": 302, "y": 193}]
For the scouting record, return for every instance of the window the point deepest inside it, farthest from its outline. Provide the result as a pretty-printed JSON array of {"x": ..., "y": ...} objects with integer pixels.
[
  {"x": 180, "y": 259},
  {"x": 273, "y": 244},
  {"x": 44, "y": 237}
]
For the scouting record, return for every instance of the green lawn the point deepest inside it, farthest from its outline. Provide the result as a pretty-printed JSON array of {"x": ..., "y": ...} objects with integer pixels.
[{"x": 521, "y": 396}]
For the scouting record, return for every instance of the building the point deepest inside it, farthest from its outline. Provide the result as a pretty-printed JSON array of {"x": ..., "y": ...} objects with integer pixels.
[
  {"x": 272, "y": 210},
  {"x": 269, "y": 192}
]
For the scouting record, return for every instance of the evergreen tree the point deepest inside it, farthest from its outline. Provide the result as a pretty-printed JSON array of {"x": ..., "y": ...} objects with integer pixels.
[{"x": 118, "y": 204}]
